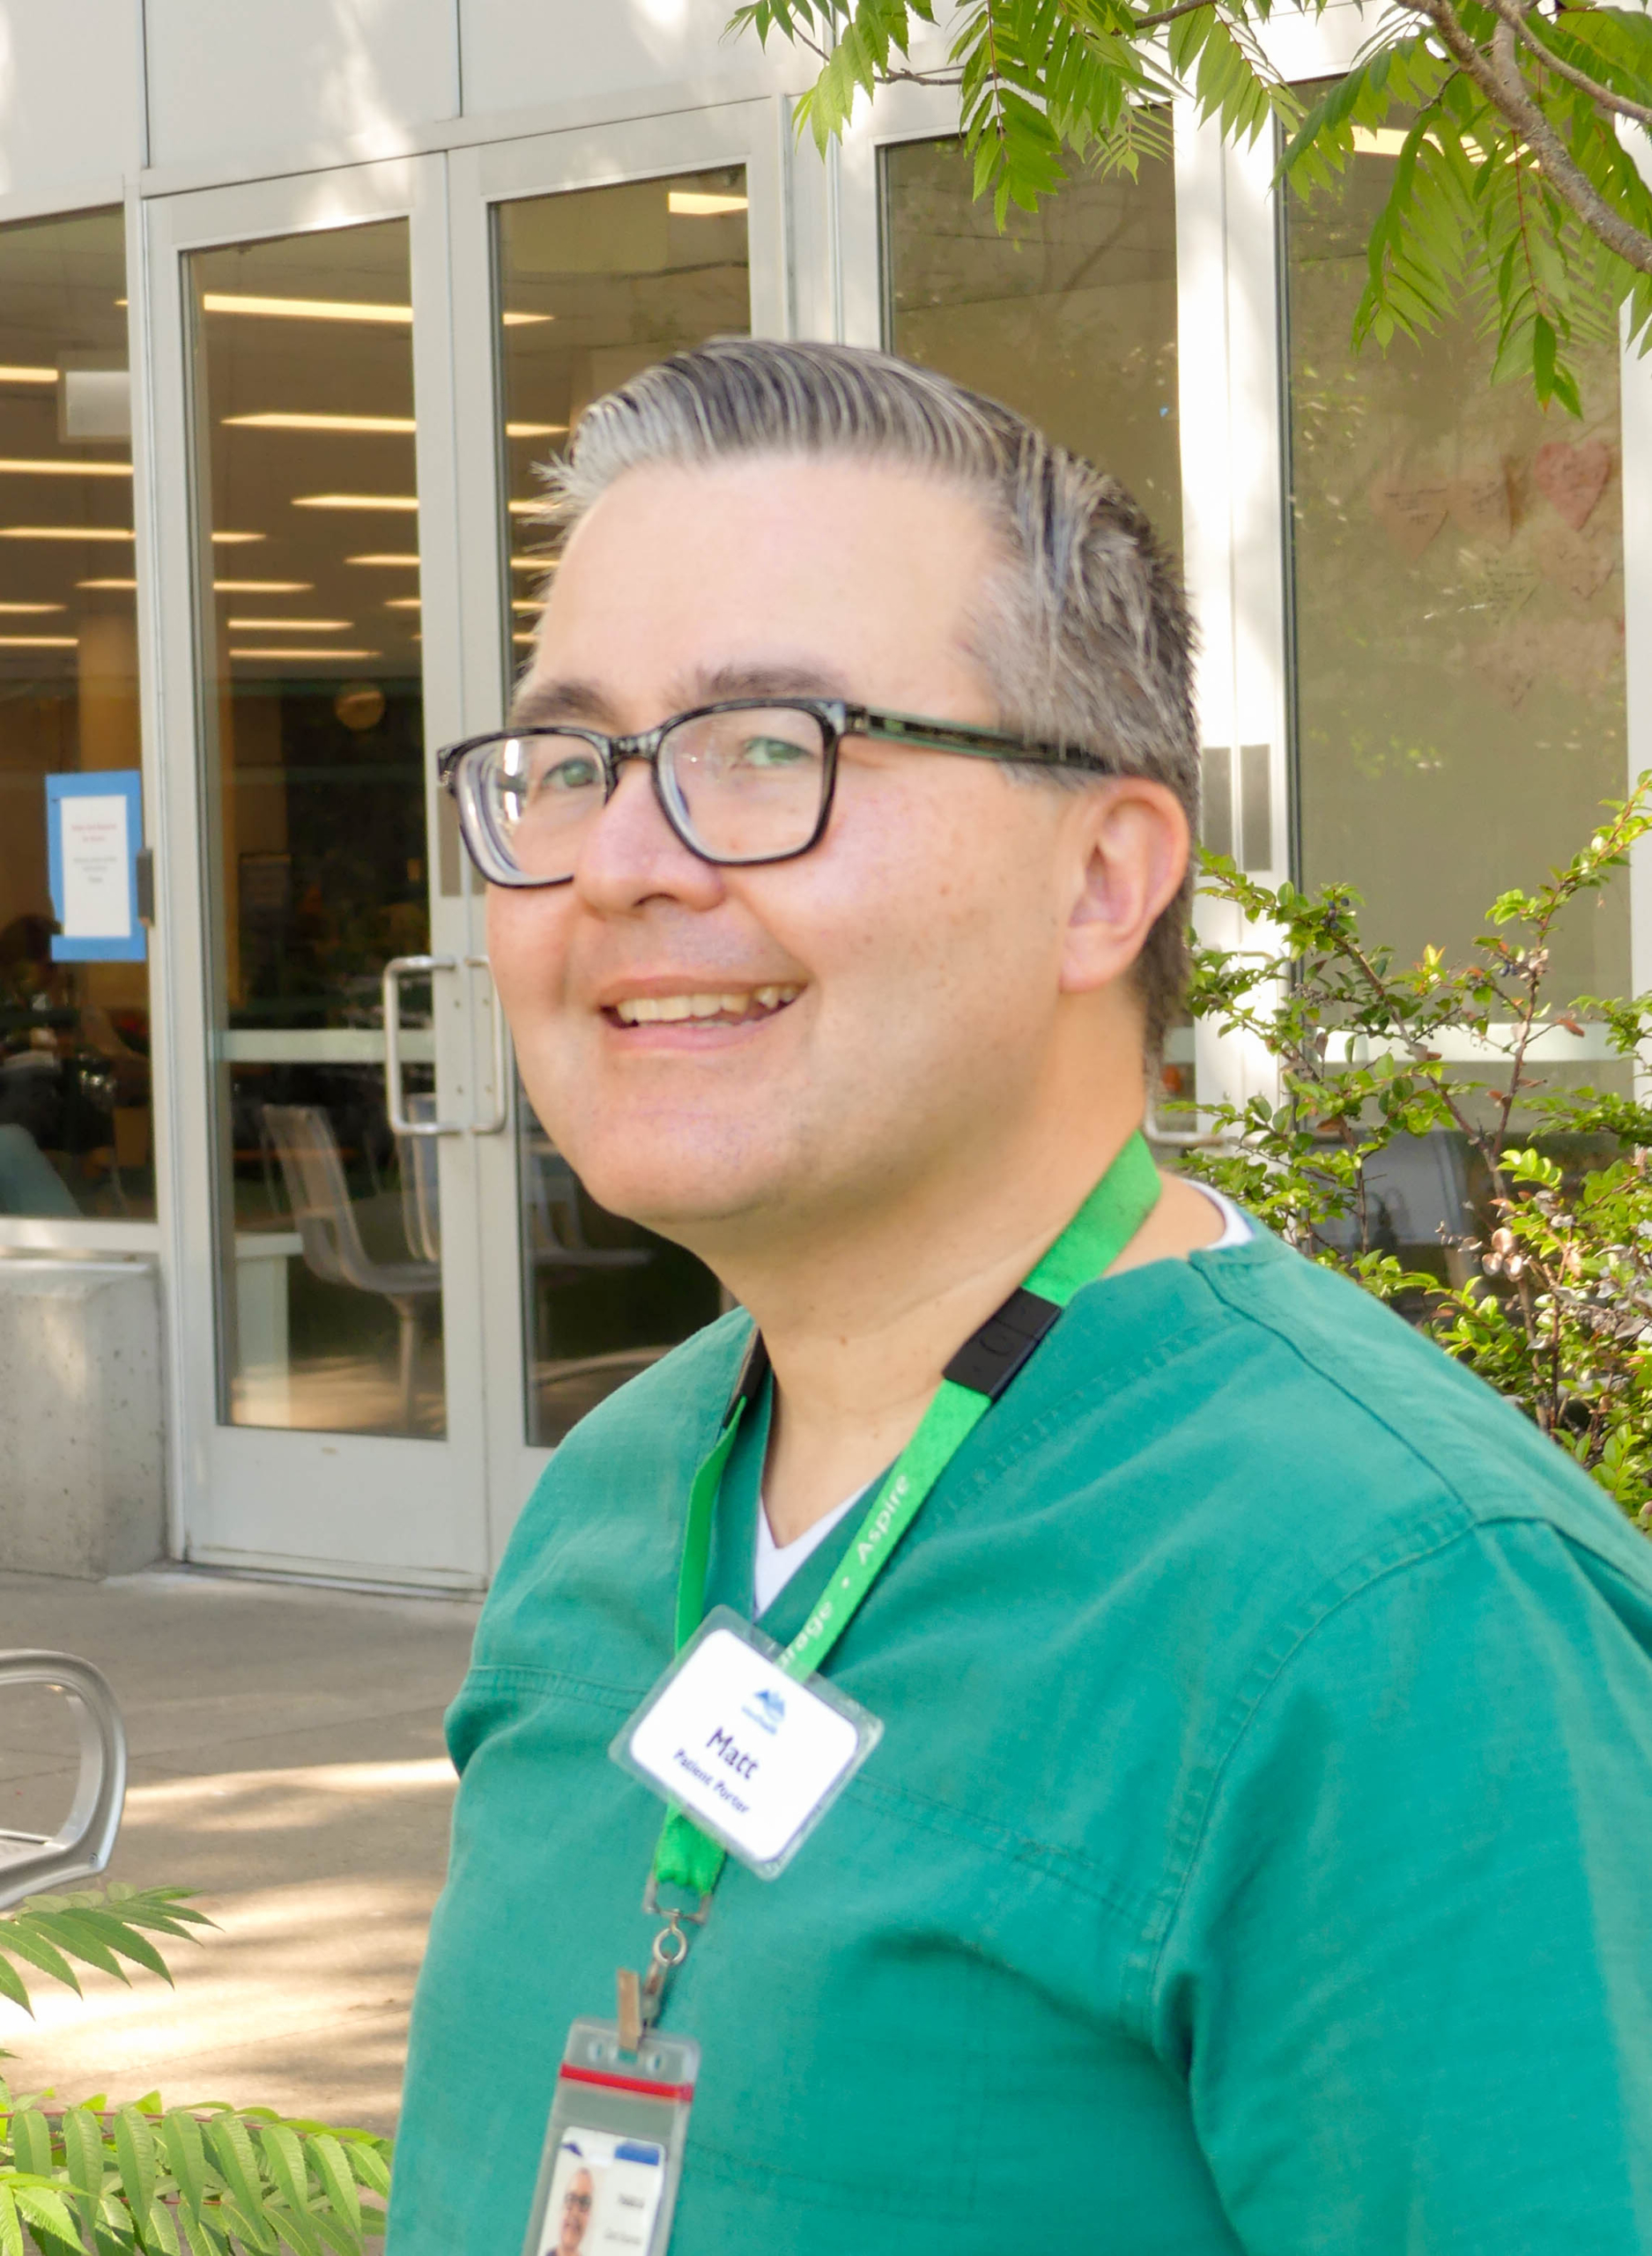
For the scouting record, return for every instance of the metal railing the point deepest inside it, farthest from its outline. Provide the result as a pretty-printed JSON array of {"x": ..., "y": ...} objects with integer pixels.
[{"x": 83, "y": 1842}]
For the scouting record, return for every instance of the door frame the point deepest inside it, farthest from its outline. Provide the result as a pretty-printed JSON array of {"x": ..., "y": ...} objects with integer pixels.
[
  {"x": 372, "y": 1510},
  {"x": 751, "y": 133}
]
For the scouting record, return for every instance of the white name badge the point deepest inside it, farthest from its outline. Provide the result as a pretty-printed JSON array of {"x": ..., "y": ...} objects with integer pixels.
[{"x": 755, "y": 1758}]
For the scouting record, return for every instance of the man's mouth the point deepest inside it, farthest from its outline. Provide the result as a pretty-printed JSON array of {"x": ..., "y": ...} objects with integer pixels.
[{"x": 726, "y": 1006}]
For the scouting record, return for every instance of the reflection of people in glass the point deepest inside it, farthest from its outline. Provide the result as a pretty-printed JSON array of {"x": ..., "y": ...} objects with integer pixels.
[{"x": 576, "y": 2213}]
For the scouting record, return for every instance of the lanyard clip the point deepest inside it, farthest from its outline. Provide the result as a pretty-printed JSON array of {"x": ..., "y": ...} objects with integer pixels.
[{"x": 670, "y": 1948}]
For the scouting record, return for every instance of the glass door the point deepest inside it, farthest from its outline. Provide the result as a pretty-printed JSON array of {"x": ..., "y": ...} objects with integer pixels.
[
  {"x": 348, "y": 1062},
  {"x": 579, "y": 259}
]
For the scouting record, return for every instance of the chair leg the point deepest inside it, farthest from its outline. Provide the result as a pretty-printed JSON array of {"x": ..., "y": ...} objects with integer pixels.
[{"x": 407, "y": 1313}]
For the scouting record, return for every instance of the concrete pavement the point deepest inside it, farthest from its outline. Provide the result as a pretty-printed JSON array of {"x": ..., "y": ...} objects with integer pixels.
[{"x": 286, "y": 1762}]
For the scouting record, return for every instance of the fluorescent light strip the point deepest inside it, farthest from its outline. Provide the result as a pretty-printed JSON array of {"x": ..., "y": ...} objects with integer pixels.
[
  {"x": 105, "y": 584},
  {"x": 402, "y": 603},
  {"x": 527, "y": 508},
  {"x": 67, "y": 532},
  {"x": 15, "y": 376},
  {"x": 234, "y": 539},
  {"x": 535, "y": 430},
  {"x": 276, "y": 420},
  {"x": 355, "y": 501},
  {"x": 263, "y": 587},
  {"x": 534, "y": 563},
  {"x": 691, "y": 204},
  {"x": 236, "y": 301},
  {"x": 318, "y": 653},
  {"x": 382, "y": 560},
  {"x": 39, "y": 642},
  {"x": 526, "y": 603},
  {"x": 525, "y": 638},
  {"x": 15, "y": 609},
  {"x": 290, "y": 626},
  {"x": 48, "y": 468}
]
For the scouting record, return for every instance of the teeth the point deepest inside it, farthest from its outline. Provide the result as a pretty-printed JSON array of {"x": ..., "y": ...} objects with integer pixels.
[{"x": 653, "y": 1010}]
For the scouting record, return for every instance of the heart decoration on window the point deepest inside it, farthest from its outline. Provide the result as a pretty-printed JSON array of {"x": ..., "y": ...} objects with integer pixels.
[
  {"x": 1478, "y": 498},
  {"x": 1411, "y": 510},
  {"x": 1573, "y": 476},
  {"x": 1574, "y": 564}
]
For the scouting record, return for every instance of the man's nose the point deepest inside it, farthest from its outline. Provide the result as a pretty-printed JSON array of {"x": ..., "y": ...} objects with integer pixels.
[{"x": 632, "y": 854}]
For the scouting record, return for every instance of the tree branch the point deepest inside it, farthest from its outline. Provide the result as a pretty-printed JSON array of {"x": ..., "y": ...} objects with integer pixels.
[
  {"x": 1619, "y": 104},
  {"x": 1498, "y": 77}
]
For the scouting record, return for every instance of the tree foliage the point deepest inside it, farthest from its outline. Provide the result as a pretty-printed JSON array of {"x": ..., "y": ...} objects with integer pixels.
[
  {"x": 1548, "y": 1295},
  {"x": 143, "y": 2180},
  {"x": 1516, "y": 124}
]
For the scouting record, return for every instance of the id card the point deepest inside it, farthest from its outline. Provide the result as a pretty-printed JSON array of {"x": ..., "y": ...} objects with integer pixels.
[
  {"x": 755, "y": 1758},
  {"x": 613, "y": 2149}
]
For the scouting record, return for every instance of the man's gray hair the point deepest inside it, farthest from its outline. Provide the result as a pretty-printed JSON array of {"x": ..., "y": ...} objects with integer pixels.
[{"x": 1084, "y": 635}]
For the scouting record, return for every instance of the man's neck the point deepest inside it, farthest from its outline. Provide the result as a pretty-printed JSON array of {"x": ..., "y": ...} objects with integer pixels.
[{"x": 861, "y": 1324}]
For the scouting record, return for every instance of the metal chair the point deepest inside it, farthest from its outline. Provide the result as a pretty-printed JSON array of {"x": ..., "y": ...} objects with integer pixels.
[
  {"x": 83, "y": 1842},
  {"x": 320, "y": 1200}
]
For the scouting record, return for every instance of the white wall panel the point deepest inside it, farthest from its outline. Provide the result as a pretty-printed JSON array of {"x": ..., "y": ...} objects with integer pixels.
[
  {"x": 230, "y": 77},
  {"x": 71, "y": 96},
  {"x": 517, "y": 53}
]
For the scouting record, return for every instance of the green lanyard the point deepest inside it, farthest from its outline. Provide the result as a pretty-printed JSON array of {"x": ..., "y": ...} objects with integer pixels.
[{"x": 977, "y": 1375}]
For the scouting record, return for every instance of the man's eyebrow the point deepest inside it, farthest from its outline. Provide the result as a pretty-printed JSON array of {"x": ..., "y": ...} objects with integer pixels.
[
  {"x": 762, "y": 678},
  {"x": 539, "y": 704}
]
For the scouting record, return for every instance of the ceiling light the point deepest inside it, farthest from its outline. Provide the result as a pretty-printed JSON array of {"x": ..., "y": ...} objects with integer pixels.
[
  {"x": 525, "y": 320},
  {"x": 263, "y": 587},
  {"x": 15, "y": 376},
  {"x": 402, "y": 603},
  {"x": 66, "y": 532},
  {"x": 691, "y": 204},
  {"x": 535, "y": 430},
  {"x": 526, "y": 603},
  {"x": 234, "y": 301},
  {"x": 319, "y": 653},
  {"x": 291, "y": 626},
  {"x": 39, "y": 642},
  {"x": 105, "y": 584},
  {"x": 525, "y": 638},
  {"x": 14, "y": 607},
  {"x": 382, "y": 560},
  {"x": 231, "y": 539},
  {"x": 526, "y": 509},
  {"x": 274, "y": 421},
  {"x": 48, "y": 467},
  {"x": 534, "y": 563},
  {"x": 354, "y": 501}
]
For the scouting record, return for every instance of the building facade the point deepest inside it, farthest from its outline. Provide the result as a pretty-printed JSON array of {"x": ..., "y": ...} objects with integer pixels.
[{"x": 293, "y": 301}]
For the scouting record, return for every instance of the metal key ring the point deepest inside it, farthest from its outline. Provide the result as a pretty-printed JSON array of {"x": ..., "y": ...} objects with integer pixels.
[{"x": 670, "y": 1933}]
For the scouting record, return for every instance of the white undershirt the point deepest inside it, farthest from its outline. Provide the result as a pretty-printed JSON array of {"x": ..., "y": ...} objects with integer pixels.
[{"x": 775, "y": 1564}]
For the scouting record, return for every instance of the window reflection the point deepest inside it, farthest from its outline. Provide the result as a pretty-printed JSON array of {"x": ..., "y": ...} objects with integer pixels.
[
  {"x": 329, "y": 1300},
  {"x": 75, "y": 1117},
  {"x": 598, "y": 284}
]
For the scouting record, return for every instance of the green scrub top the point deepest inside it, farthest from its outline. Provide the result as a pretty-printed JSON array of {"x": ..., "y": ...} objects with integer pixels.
[{"x": 1256, "y": 1856}]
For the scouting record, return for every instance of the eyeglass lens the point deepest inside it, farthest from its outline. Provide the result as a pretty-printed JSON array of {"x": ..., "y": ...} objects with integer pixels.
[{"x": 745, "y": 786}]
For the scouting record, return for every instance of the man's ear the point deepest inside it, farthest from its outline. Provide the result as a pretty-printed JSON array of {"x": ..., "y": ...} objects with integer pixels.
[{"x": 1130, "y": 845}]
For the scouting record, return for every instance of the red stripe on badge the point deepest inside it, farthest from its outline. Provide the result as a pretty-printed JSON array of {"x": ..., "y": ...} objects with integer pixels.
[{"x": 628, "y": 2084}]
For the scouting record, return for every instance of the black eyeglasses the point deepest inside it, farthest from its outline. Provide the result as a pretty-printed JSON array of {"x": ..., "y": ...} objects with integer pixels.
[{"x": 749, "y": 780}]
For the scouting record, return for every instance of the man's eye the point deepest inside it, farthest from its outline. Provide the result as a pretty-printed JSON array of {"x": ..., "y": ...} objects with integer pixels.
[
  {"x": 773, "y": 752},
  {"x": 579, "y": 774}
]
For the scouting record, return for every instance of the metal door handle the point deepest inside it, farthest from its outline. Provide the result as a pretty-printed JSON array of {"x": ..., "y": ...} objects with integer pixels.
[
  {"x": 83, "y": 1842},
  {"x": 395, "y": 1095}
]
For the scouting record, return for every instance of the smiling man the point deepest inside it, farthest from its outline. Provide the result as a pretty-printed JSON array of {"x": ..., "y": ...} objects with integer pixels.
[{"x": 1253, "y": 1715}]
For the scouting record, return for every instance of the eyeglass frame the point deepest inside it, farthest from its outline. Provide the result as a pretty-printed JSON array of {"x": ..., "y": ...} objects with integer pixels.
[{"x": 836, "y": 718}]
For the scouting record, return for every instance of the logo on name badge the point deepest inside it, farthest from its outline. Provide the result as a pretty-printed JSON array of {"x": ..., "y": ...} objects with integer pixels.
[{"x": 766, "y": 1708}]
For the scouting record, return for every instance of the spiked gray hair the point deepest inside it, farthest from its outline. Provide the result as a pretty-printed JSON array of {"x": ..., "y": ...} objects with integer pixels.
[{"x": 1085, "y": 635}]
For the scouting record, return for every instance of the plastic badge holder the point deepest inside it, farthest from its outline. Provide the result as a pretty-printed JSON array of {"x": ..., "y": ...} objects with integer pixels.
[
  {"x": 613, "y": 2147},
  {"x": 753, "y": 1756}
]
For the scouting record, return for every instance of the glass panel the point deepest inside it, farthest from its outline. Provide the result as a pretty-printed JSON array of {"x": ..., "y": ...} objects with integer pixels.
[
  {"x": 74, "y": 985},
  {"x": 330, "y": 1225},
  {"x": 596, "y": 284},
  {"x": 1070, "y": 316},
  {"x": 1459, "y": 632}
]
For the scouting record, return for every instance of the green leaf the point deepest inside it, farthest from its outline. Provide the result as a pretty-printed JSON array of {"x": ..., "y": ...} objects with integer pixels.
[
  {"x": 337, "y": 2182},
  {"x": 185, "y": 2151},
  {"x": 10, "y": 2224},
  {"x": 83, "y": 2150},
  {"x": 231, "y": 2148},
  {"x": 31, "y": 2142},
  {"x": 284, "y": 2157},
  {"x": 11, "y": 1984},
  {"x": 135, "y": 2158}
]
